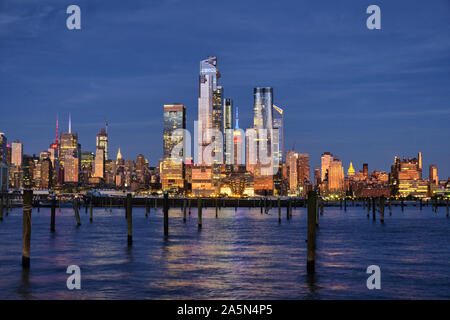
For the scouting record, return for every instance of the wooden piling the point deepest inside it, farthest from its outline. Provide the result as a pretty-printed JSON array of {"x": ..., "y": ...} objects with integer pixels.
[
  {"x": 311, "y": 252},
  {"x": 189, "y": 203},
  {"x": 147, "y": 207},
  {"x": 184, "y": 210},
  {"x": 1, "y": 207},
  {"x": 26, "y": 227},
  {"x": 166, "y": 214},
  {"x": 53, "y": 215},
  {"x": 374, "y": 208},
  {"x": 279, "y": 210},
  {"x": 390, "y": 207},
  {"x": 77, "y": 213},
  {"x": 403, "y": 204},
  {"x": 382, "y": 209},
  {"x": 110, "y": 204},
  {"x": 129, "y": 219},
  {"x": 345, "y": 204},
  {"x": 7, "y": 203},
  {"x": 217, "y": 208},
  {"x": 447, "y": 206},
  {"x": 368, "y": 207},
  {"x": 91, "y": 214},
  {"x": 199, "y": 212}
]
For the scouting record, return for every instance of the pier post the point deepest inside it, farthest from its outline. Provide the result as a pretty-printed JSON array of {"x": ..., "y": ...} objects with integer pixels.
[
  {"x": 38, "y": 204},
  {"x": 382, "y": 209},
  {"x": 279, "y": 209},
  {"x": 447, "y": 206},
  {"x": 7, "y": 203},
  {"x": 260, "y": 205},
  {"x": 52, "y": 217},
  {"x": 85, "y": 205},
  {"x": 374, "y": 208},
  {"x": 184, "y": 210},
  {"x": 340, "y": 204},
  {"x": 390, "y": 207},
  {"x": 26, "y": 227},
  {"x": 288, "y": 202},
  {"x": 217, "y": 208},
  {"x": 77, "y": 213},
  {"x": 199, "y": 212},
  {"x": 290, "y": 208},
  {"x": 1, "y": 206},
  {"x": 311, "y": 252},
  {"x": 147, "y": 207},
  {"x": 189, "y": 203},
  {"x": 403, "y": 204},
  {"x": 110, "y": 204},
  {"x": 166, "y": 214},
  {"x": 317, "y": 211},
  {"x": 345, "y": 204},
  {"x": 368, "y": 207},
  {"x": 129, "y": 219},
  {"x": 421, "y": 204},
  {"x": 91, "y": 216}
]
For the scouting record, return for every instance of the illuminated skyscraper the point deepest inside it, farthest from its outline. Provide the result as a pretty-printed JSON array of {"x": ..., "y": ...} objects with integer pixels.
[
  {"x": 366, "y": 170},
  {"x": 172, "y": 168},
  {"x": 210, "y": 95},
  {"x": 102, "y": 141},
  {"x": 335, "y": 176},
  {"x": 434, "y": 179},
  {"x": 263, "y": 125},
  {"x": 325, "y": 164},
  {"x": 304, "y": 172},
  {"x": 3, "y": 148},
  {"x": 228, "y": 112},
  {"x": 17, "y": 153},
  {"x": 70, "y": 149},
  {"x": 350, "y": 171},
  {"x": 4, "y": 175},
  {"x": 291, "y": 161},
  {"x": 99, "y": 171}
]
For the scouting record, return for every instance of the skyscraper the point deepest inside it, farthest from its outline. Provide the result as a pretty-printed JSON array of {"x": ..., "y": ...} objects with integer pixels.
[
  {"x": 434, "y": 179},
  {"x": 4, "y": 176},
  {"x": 17, "y": 153},
  {"x": 350, "y": 171},
  {"x": 70, "y": 149},
  {"x": 172, "y": 167},
  {"x": 366, "y": 170},
  {"x": 325, "y": 164},
  {"x": 99, "y": 168},
  {"x": 210, "y": 95},
  {"x": 102, "y": 141},
  {"x": 335, "y": 176},
  {"x": 262, "y": 141},
  {"x": 228, "y": 133}
]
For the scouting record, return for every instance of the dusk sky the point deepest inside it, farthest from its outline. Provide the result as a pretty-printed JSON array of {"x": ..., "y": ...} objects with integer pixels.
[{"x": 363, "y": 95}]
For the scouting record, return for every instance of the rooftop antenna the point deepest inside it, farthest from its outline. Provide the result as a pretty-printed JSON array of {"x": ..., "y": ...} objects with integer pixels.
[
  {"x": 236, "y": 126},
  {"x": 57, "y": 130}
]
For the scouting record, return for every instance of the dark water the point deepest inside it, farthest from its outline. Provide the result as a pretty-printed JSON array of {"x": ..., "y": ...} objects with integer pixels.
[{"x": 240, "y": 255}]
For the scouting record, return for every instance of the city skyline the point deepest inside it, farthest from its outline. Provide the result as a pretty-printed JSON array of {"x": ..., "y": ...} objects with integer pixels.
[{"x": 392, "y": 106}]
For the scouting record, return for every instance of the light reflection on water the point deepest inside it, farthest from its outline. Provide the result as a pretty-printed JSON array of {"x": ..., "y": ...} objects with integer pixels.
[{"x": 240, "y": 255}]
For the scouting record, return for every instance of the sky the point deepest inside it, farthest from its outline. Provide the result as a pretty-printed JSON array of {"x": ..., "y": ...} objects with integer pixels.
[{"x": 363, "y": 95}]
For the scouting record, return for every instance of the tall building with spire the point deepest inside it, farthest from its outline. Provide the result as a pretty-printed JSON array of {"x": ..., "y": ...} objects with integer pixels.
[
  {"x": 102, "y": 141},
  {"x": 350, "y": 171},
  {"x": 69, "y": 155},
  {"x": 210, "y": 96}
]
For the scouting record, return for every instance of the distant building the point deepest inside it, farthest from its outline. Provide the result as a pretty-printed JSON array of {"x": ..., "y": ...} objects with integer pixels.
[
  {"x": 350, "y": 171},
  {"x": 433, "y": 176},
  {"x": 326, "y": 160},
  {"x": 335, "y": 176},
  {"x": 4, "y": 172},
  {"x": 102, "y": 142}
]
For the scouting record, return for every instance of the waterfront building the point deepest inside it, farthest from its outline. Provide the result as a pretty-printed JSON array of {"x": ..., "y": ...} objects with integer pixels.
[{"x": 172, "y": 166}]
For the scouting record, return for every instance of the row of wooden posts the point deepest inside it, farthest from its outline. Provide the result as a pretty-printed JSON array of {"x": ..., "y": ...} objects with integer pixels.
[{"x": 314, "y": 203}]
